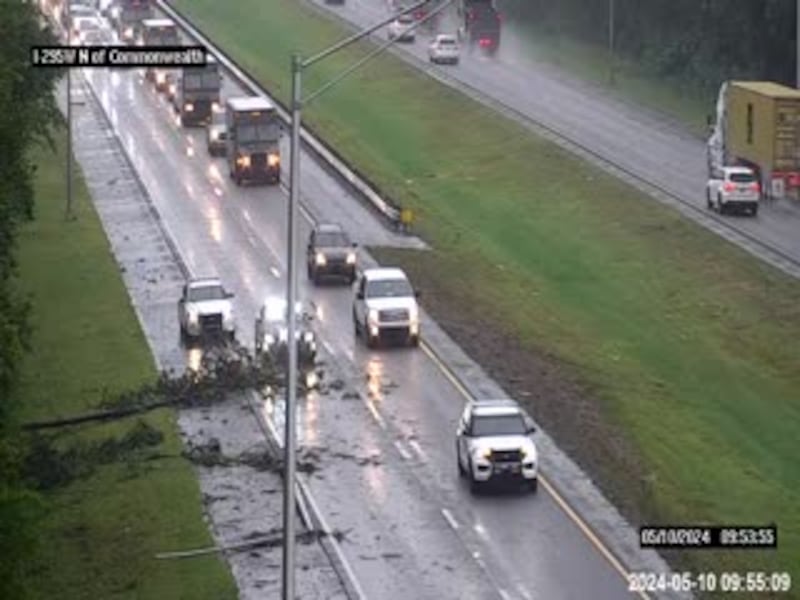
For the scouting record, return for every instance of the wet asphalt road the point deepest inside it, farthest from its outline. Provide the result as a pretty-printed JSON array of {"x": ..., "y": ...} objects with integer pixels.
[
  {"x": 388, "y": 475},
  {"x": 639, "y": 141}
]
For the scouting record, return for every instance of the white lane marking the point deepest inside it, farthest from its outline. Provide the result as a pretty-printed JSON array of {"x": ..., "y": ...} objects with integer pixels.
[
  {"x": 307, "y": 215},
  {"x": 525, "y": 593},
  {"x": 504, "y": 594},
  {"x": 403, "y": 452},
  {"x": 247, "y": 216},
  {"x": 451, "y": 520},
  {"x": 252, "y": 241},
  {"x": 375, "y": 414},
  {"x": 275, "y": 272},
  {"x": 350, "y": 354},
  {"x": 418, "y": 449},
  {"x": 480, "y": 530},
  {"x": 328, "y": 347}
]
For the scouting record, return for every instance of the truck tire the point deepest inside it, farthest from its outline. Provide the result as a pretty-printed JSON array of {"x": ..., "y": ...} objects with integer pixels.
[
  {"x": 709, "y": 204},
  {"x": 720, "y": 206},
  {"x": 754, "y": 210}
]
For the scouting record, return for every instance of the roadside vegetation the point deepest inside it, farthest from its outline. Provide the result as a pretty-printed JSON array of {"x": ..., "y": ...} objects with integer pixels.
[
  {"x": 670, "y": 55},
  {"x": 662, "y": 358},
  {"x": 112, "y": 494}
]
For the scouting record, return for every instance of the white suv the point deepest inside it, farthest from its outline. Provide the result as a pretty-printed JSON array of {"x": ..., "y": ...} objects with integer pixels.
[
  {"x": 444, "y": 49},
  {"x": 385, "y": 305},
  {"x": 493, "y": 442},
  {"x": 399, "y": 29},
  {"x": 732, "y": 188}
]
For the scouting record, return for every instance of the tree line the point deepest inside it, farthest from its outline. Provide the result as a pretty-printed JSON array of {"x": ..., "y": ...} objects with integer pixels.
[
  {"x": 28, "y": 113},
  {"x": 703, "y": 42}
]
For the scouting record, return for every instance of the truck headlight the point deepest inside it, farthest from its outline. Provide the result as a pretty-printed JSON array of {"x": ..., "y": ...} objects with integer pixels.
[
  {"x": 188, "y": 107},
  {"x": 193, "y": 318},
  {"x": 128, "y": 33},
  {"x": 373, "y": 315},
  {"x": 486, "y": 455},
  {"x": 320, "y": 259},
  {"x": 351, "y": 258},
  {"x": 269, "y": 339},
  {"x": 160, "y": 78},
  {"x": 243, "y": 161},
  {"x": 215, "y": 107},
  {"x": 308, "y": 337},
  {"x": 115, "y": 12},
  {"x": 273, "y": 160},
  {"x": 214, "y": 135},
  {"x": 283, "y": 335},
  {"x": 173, "y": 89}
]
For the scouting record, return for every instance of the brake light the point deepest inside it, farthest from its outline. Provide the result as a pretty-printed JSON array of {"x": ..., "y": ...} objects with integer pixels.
[
  {"x": 756, "y": 187},
  {"x": 728, "y": 186},
  {"x": 484, "y": 42}
]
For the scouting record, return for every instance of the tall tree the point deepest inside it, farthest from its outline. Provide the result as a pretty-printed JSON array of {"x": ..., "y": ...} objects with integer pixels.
[{"x": 28, "y": 113}]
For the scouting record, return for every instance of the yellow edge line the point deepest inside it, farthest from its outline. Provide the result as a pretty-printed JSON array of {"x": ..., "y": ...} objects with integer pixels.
[{"x": 596, "y": 541}]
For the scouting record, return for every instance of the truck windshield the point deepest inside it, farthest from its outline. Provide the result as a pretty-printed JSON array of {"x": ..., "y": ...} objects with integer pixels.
[
  {"x": 332, "y": 239},
  {"x": 257, "y": 133},
  {"x": 388, "y": 288},
  {"x": 200, "y": 81},
  {"x": 498, "y": 425},
  {"x": 206, "y": 292}
]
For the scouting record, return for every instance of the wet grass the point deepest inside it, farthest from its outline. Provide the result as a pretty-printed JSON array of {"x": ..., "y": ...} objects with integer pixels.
[
  {"x": 632, "y": 81},
  {"x": 688, "y": 345},
  {"x": 102, "y": 529}
]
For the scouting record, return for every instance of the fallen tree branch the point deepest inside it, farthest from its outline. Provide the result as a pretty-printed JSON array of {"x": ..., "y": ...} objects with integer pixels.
[
  {"x": 272, "y": 541},
  {"x": 105, "y": 415}
]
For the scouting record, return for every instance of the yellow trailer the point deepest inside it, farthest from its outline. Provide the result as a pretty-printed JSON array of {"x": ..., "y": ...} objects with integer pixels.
[{"x": 762, "y": 129}]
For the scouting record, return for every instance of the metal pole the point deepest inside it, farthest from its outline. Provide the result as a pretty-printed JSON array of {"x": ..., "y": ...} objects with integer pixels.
[
  {"x": 68, "y": 214},
  {"x": 797, "y": 42},
  {"x": 611, "y": 74},
  {"x": 291, "y": 383}
]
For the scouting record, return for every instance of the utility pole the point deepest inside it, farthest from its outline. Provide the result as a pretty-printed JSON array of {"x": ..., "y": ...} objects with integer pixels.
[
  {"x": 297, "y": 104},
  {"x": 611, "y": 74},
  {"x": 68, "y": 215}
]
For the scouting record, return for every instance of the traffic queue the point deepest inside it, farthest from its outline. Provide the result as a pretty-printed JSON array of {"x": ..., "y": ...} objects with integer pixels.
[{"x": 493, "y": 439}]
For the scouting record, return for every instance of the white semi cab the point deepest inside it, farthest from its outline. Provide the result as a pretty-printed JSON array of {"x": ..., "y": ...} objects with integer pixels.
[
  {"x": 493, "y": 443},
  {"x": 385, "y": 306},
  {"x": 206, "y": 308},
  {"x": 733, "y": 189}
]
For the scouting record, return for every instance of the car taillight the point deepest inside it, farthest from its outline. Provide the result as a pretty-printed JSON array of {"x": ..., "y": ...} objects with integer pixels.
[
  {"x": 728, "y": 186},
  {"x": 756, "y": 187},
  {"x": 484, "y": 42}
]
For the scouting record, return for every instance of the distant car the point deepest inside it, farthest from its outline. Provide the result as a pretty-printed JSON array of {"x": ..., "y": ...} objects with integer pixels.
[
  {"x": 385, "y": 307},
  {"x": 82, "y": 26},
  {"x": 95, "y": 37},
  {"x": 206, "y": 309},
  {"x": 493, "y": 443},
  {"x": 217, "y": 134},
  {"x": 398, "y": 29},
  {"x": 272, "y": 332},
  {"x": 76, "y": 11},
  {"x": 444, "y": 49},
  {"x": 733, "y": 189},
  {"x": 330, "y": 253}
]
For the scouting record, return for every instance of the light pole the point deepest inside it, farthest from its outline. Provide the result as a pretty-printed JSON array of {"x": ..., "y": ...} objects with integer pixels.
[
  {"x": 68, "y": 213},
  {"x": 611, "y": 74},
  {"x": 797, "y": 42},
  {"x": 297, "y": 104}
]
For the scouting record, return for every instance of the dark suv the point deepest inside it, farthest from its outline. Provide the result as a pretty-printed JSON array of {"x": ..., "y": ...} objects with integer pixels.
[{"x": 330, "y": 253}]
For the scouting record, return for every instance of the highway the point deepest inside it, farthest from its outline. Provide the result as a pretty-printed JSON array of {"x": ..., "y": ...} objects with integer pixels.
[
  {"x": 387, "y": 474},
  {"x": 642, "y": 144}
]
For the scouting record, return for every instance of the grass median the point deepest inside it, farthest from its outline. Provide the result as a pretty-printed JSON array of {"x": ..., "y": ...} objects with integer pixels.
[
  {"x": 101, "y": 530},
  {"x": 663, "y": 358}
]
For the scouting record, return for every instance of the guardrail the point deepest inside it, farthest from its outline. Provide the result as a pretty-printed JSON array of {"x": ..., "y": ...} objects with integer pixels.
[{"x": 395, "y": 215}]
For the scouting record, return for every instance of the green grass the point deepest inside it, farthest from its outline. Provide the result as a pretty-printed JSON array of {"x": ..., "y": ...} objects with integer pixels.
[
  {"x": 100, "y": 534},
  {"x": 689, "y": 345},
  {"x": 632, "y": 81}
]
